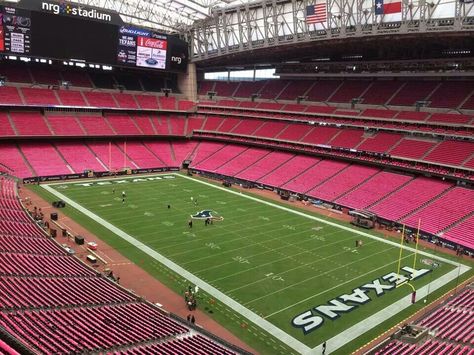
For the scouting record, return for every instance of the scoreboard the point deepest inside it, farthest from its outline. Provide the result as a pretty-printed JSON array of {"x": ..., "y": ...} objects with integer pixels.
[{"x": 68, "y": 31}]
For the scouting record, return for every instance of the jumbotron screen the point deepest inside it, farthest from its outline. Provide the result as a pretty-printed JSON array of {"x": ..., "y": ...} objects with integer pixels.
[{"x": 67, "y": 31}]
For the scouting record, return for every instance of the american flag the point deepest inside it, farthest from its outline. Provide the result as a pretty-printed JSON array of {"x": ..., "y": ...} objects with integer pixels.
[{"x": 316, "y": 13}]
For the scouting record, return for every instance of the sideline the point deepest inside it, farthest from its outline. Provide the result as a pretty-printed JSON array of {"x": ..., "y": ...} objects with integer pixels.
[{"x": 334, "y": 343}]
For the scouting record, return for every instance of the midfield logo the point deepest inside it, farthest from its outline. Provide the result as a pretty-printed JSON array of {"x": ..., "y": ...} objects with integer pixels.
[
  {"x": 205, "y": 214},
  {"x": 312, "y": 319}
]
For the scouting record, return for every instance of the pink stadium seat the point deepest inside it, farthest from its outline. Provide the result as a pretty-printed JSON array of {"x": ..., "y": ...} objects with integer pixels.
[
  {"x": 380, "y": 143},
  {"x": 125, "y": 100},
  {"x": 144, "y": 124},
  {"x": 314, "y": 176},
  {"x": 295, "y": 132},
  {"x": 320, "y": 109},
  {"x": 342, "y": 182},
  {"x": 450, "y": 118},
  {"x": 30, "y": 124},
  {"x": 270, "y": 106},
  {"x": 247, "y": 88},
  {"x": 347, "y": 138},
  {"x": 9, "y": 96},
  {"x": 45, "y": 76},
  {"x": 95, "y": 125},
  {"x": 17, "y": 74},
  {"x": 204, "y": 150},
  {"x": 177, "y": 125},
  {"x": 264, "y": 166},
  {"x": 228, "y": 103},
  {"x": 6, "y": 128},
  {"x": 444, "y": 211},
  {"x": 320, "y": 135},
  {"x": 289, "y": 170},
  {"x": 461, "y": 233},
  {"x": 272, "y": 88},
  {"x": 39, "y": 96},
  {"x": 71, "y": 98},
  {"x": 142, "y": 156},
  {"x": 242, "y": 161},
  {"x": 163, "y": 152},
  {"x": 79, "y": 157},
  {"x": 373, "y": 190},
  {"x": 413, "y": 91},
  {"x": 470, "y": 163},
  {"x": 110, "y": 155},
  {"x": 349, "y": 90},
  {"x": 225, "y": 89},
  {"x": 123, "y": 124},
  {"x": 270, "y": 129},
  {"x": 161, "y": 124},
  {"x": 219, "y": 158},
  {"x": 181, "y": 151},
  {"x": 194, "y": 123},
  {"x": 405, "y": 200},
  {"x": 248, "y": 104},
  {"x": 378, "y": 113},
  {"x": 295, "y": 88},
  {"x": 322, "y": 90},
  {"x": 451, "y": 152},
  {"x": 411, "y": 148},
  {"x": 167, "y": 103},
  {"x": 294, "y": 108},
  {"x": 45, "y": 159},
  {"x": 185, "y": 105},
  {"x": 412, "y": 116},
  {"x": 469, "y": 103},
  {"x": 11, "y": 157},
  {"x": 65, "y": 125},
  {"x": 380, "y": 92},
  {"x": 205, "y": 87},
  {"x": 451, "y": 94},
  {"x": 147, "y": 102},
  {"x": 77, "y": 78},
  {"x": 247, "y": 127},
  {"x": 99, "y": 99},
  {"x": 229, "y": 124}
]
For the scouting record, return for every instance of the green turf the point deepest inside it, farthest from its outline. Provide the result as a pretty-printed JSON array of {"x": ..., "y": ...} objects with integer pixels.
[{"x": 273, "y": 262}]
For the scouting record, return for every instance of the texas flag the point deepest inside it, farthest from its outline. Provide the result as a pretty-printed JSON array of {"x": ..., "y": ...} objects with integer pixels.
[{"x": 384, "y": 7}]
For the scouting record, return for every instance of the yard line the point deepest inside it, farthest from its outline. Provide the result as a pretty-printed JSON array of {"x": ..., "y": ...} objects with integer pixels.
[
  {"x": 281, "y": 259},
  {"x": 301, "y": 266},
  {"x": 236, "y": 249},
  {"x": 332, "y": 288}
]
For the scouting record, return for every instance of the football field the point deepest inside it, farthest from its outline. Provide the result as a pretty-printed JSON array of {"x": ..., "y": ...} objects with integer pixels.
[{"x": 294, "y": 275}]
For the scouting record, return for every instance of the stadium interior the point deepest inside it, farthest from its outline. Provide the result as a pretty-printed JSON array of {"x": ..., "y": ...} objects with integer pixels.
[{"x": 376, "y": 120}]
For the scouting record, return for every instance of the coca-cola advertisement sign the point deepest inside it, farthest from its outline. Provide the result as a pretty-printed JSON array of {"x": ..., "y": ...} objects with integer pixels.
[{"x": 151, "y": 43}]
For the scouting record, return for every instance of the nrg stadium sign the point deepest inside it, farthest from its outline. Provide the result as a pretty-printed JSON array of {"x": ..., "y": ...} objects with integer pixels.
[
  {"x": 74, "y": 10},
  {"x": 313, "y": 318}
]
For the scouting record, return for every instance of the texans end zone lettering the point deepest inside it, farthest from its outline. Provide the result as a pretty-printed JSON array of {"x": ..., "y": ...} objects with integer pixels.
[{"x": 312, "y": 319}]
